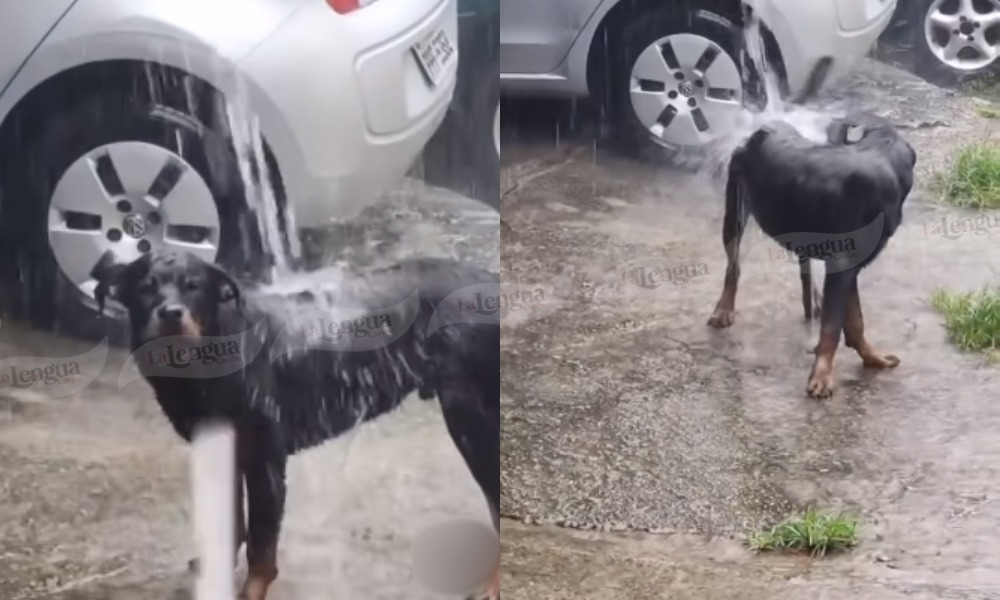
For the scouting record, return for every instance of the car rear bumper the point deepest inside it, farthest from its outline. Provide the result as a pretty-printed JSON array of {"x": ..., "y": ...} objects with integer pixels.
[{"x": 344, "y": 104}]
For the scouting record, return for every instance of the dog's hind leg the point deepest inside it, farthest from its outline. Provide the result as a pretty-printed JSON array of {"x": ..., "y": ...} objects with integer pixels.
[
  {"x": 733, "y": 225},
  {"x": 266, "y": 490},
  {"x": 812, "y": 300},
  {"x": 854, "y": 335},
  {"x": 836, "y": 290}
]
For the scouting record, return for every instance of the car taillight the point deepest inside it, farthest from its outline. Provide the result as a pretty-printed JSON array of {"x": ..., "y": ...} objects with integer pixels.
[{"x": 348, "y": 6}]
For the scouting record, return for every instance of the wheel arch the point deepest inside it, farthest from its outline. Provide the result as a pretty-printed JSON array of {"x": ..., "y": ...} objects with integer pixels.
[
  {"x": 143, "y": 80},
  {"x": 619, "y": 15}
]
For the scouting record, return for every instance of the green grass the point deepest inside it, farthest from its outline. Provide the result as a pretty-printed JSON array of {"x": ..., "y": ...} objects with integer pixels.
[
  {"x": 972, "y": 319},
  {"x": 983, "y": 87},
  {"x": 816, "y": 532},
  {"x": 974, "y": 178},
  {"x": 988, "y": 112}
]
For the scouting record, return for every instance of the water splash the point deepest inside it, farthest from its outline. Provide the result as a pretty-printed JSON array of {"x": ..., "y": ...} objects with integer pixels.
[
  {"x": 255, "y": 173},
  {"x": 810, "y": 121}
]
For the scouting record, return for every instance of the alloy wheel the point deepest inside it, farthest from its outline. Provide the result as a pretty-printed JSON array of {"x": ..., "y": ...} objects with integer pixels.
[
  {"x": 131, "y": 198},
  {"x": 964, "y": 34},
  {"x": 686, "y": 90}
]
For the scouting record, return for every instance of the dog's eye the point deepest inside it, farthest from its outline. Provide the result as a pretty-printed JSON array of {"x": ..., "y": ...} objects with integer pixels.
[
  {"x": 147, "y": 286},
  {"x": 191, "y": 285}
]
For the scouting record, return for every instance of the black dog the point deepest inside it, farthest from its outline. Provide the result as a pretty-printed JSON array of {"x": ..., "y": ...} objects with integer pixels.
[
  {"x": 289, "y": 397},
  {"x": 843, "y": 194}
]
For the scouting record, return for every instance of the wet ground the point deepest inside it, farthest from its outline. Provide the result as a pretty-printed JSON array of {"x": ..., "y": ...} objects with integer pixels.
[
  {"x": 94, "y": 498},
  {"x": 639, "y": 444}
]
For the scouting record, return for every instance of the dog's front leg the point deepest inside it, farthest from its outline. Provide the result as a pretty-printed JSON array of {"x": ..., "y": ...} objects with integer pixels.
[
  {"x": 733, "y": 224},
  {"x": 854, "y": 335},
  {"x": 265, "y": 479},
  {"x": 836, "y": 289}
]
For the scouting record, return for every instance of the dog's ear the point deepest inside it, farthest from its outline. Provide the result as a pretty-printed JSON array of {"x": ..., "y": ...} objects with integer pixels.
[
  {"x": 108, "y": 273},
  {"x": 228, "y": 289}
]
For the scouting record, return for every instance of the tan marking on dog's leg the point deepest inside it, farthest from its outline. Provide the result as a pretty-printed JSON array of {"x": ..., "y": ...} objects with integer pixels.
[
  {"x": 854, "y": 337},
  {"x": 821, "y": 377},
  {"x": 490, "y": 590},
  {"x": 259, "y": 578},
  {"x": 494, "y": 590},
  {"x": 725, "y": 308}
]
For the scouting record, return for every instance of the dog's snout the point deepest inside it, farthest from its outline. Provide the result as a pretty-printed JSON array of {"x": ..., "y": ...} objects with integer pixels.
[{"x": 172, "y": 312}]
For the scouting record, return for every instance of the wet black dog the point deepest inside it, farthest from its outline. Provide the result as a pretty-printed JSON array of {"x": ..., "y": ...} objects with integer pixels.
[
  {"x": 294, "y": 393},
  {"x": 839, "y": 202}
]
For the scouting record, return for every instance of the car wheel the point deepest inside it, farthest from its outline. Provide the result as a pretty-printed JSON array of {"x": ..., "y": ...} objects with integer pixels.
[
  {"x": 122, "y": 174},
  {"x": 954, "y": 39},
  {"x": 676, "y": 80}
]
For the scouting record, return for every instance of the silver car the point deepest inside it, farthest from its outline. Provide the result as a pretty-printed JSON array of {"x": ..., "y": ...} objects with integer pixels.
[
  {"x": 131, "y": 125},
  {"x": 671, "y": 72}
]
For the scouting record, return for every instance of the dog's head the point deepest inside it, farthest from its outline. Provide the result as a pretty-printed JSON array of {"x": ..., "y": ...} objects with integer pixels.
[
  {"x": 166, "y": 294},
  {"x": 870, "y": 131}
]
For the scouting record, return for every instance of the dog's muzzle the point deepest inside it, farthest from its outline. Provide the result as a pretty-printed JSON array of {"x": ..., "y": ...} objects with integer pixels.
[{"x": 172, "y": 314}]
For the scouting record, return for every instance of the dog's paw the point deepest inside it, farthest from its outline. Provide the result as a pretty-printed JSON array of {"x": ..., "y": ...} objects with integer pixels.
[
  {"x": 820, "y": 385},
  {"x": 881, "y": 361},
  {"x": 722, "y": 318}
]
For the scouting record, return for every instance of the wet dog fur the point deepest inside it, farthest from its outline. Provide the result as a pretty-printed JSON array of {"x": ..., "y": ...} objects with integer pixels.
[
  {"x": 793, "y": 186},
  {"x": 282, "y": 405}
]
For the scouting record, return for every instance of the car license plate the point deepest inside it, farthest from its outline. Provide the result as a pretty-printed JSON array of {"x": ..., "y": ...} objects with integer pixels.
[{"x": 435, "y": 54}]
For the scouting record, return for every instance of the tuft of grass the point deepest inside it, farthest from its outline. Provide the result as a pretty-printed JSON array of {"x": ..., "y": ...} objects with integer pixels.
[
  {"x": 972, "y": 319},
  {"x": 816, "y": 532},
  {"x": 983, "y": 87},
  {"x": 988, "y": 112},
  {"x": 974, "y": 178}
]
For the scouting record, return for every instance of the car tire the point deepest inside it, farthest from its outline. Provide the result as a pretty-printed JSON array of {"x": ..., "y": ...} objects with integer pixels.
[
  {"x": 34, "y": 286},
  {"x": 487, "y": 140},
  {"x": 686, "y": 24},
  {"x": 926, "y": 61}
]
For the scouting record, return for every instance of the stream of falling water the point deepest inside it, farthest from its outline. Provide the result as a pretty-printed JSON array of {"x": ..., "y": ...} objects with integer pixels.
[
  {"x": 261, "y": 200},
  {"x": 811, "y": 122}
]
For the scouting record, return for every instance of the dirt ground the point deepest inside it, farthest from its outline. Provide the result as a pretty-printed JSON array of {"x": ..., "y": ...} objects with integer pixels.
[
  {"x": 94, "y": 498},
  {"x": 639, "y": 444}
]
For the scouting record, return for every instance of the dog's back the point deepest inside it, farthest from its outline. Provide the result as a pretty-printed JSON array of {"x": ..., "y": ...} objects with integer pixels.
[
  {"x": 316, "y": 389},
  {"x": 793, "y": 185}
]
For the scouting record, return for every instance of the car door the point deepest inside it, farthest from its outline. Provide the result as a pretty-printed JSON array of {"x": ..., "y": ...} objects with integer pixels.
[
  {"x": 23, "y": 25},
  {"x": 535, "y": 35}
]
